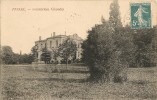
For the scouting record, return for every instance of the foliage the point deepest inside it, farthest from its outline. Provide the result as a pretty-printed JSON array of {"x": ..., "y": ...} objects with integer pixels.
[
  {"x": 7, "y": 54},
  {"x": 26, "y": 59},
  {"x": 114, "y": 18},
  {"x": 16, "y": 59},
  {"x": 144, "y": 40},
  {"x": 111, "y": 48},
  {"x": 34, "y": 52},
  {"x": 97, "y": 49},
  {"x": 9, "y": 57},
  {"x": 67, "y": 50},
  {"x": 107, "y": 50},
  {"x": 46, "y": 56}
]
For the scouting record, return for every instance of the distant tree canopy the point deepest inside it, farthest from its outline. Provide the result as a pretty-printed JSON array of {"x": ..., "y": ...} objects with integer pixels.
[
  {"x": 9, "y": 57},
  {"x": 26, "y": 59},
  {"x": 145, "y": 43}
]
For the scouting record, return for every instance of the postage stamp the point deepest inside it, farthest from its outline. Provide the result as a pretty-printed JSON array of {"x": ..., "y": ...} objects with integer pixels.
[{"x": 140, "y": 15}]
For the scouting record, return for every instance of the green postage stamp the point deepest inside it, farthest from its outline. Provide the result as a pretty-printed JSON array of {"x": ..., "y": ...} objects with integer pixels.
[{"x": 140, "y": 15}]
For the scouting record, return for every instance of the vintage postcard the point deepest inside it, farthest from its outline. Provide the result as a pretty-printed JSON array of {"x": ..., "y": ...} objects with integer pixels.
[{"x": 78, "y": 49}]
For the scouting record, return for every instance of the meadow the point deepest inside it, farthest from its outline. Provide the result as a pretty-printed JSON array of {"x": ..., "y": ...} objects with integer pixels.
[{"x": 61, "y": 82}]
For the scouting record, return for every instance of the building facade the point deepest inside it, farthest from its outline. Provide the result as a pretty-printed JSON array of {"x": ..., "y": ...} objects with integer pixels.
[{"x": 52, "y": 43}]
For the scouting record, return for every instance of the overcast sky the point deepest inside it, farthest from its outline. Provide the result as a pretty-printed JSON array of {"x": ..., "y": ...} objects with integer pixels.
[{"x": 20, "y": 29}]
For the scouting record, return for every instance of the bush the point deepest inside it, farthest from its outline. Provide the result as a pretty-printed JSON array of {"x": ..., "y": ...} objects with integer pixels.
[{"x": 108, "y": 49}]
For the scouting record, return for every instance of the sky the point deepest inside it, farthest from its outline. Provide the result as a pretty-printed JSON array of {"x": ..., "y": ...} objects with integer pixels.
[{"x": 20, "y": 29}]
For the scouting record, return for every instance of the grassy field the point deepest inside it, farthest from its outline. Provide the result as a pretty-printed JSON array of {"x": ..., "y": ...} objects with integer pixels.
[{"x": 50, "y": 82}]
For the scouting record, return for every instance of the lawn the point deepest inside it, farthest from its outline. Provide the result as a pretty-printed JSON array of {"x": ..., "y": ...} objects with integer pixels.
[{"x": 58, "y": 82}]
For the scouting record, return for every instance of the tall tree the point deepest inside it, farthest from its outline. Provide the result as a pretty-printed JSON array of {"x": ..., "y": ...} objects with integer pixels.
[
  {"x": 123, "y": 43},
  {"x": 115, "y": 19},
  {"x": 67, "y": 50},
  {"x": 46, "y": 56},
  {"x": 97, "y": 50},
  {"x": 106, "y": 50},
  {"x": 34, "y": 53}
]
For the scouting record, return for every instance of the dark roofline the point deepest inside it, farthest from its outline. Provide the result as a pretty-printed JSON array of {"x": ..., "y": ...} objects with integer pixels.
[{"x": 58, "y": 36}]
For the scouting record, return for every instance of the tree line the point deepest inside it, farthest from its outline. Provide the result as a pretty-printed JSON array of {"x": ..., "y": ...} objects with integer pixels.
[
  {"x": 9, "y": 57},
  {"x": 66, "y": 53},
  {"x": 110, "y": 48}
]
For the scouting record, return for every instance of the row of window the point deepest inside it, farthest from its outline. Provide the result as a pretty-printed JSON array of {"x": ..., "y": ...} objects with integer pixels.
[
  {"x": 57, "y": 44},
  {"x": 50, "y": 44}
]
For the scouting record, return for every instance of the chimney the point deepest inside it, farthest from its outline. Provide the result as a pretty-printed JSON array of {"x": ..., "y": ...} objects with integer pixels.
[
  {"x": 54, "y": 34},
  {"x": 39, "y": 38}
]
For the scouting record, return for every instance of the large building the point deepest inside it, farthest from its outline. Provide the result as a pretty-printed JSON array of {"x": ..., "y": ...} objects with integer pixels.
[{"x": 52, "y": 43}]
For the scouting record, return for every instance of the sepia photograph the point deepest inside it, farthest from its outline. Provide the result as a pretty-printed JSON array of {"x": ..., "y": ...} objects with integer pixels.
[{"x": 78, "y": 49}]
